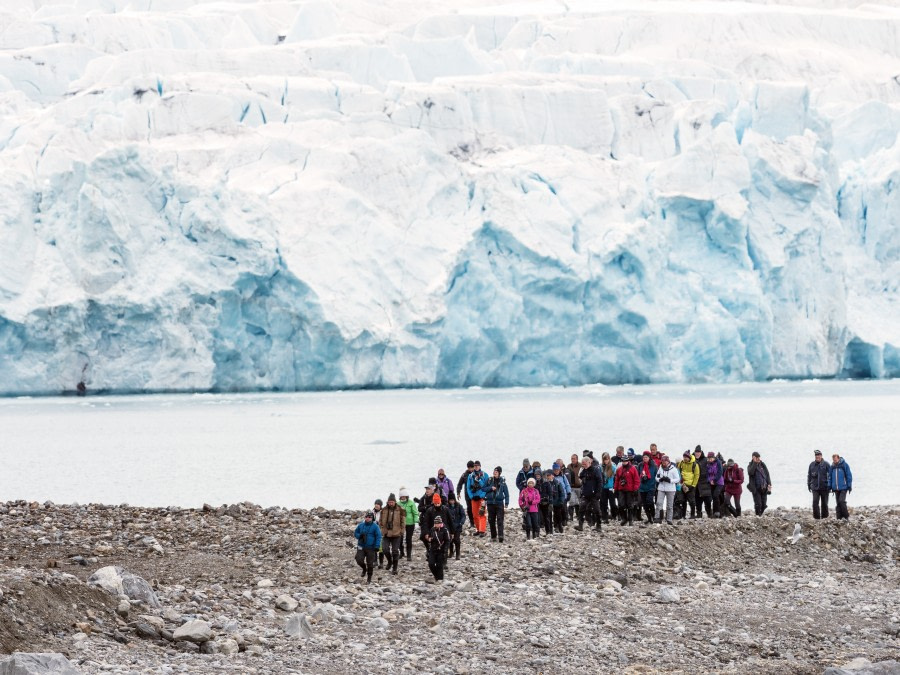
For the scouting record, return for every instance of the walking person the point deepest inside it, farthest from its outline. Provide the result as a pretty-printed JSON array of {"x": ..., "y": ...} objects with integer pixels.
[
  {"x": 667, "y": 479},
  {"x": 647, "y": 491},
  {"x": 368, "y": 541},
  {"x": 530, "y": 502},
  {"x": 412, "y": 517},
  {"x": 461, "y": 489},
  {"x": 818, "y": 482},
  {"x": 376, "y": 511},
  {"x": 438, "y": 541},
  {"x": 627, "y": 484},
  {"x": 690, "y": 477},
  {"x": 841, "y": 484},
  {"x": 393, "y": 527},
  {"x": 524, "y": 474},
  {"x": 457, "y": 522},
  {"x": 734, "y": 481},
  {"x": 444, "y": 484},
  {"x": 497, "y": 501},
  {"x": 476, "y": 488},
  {"x": 572, "y": 473},
  {"x": 760, "y": 483},
  {"x": 591, "y": 484}
]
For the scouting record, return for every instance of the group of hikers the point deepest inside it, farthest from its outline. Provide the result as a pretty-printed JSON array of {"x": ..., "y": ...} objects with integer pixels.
[{"x": 621, "y": 487}]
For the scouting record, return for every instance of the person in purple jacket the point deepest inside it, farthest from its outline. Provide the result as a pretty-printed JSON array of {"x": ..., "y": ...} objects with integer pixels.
[
  {"x": 444, "y": 484},
  {"x": 715, "y": 474}
]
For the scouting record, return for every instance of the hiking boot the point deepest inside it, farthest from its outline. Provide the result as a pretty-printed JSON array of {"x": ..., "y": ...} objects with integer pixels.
[
  {"x": 580, "y": 527},
  {"x": 501, "y": 540},
  {"x": 457, "y": 555}
]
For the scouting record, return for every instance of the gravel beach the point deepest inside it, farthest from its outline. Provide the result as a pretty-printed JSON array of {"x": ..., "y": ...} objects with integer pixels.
[{"x": 245, "y": 589}]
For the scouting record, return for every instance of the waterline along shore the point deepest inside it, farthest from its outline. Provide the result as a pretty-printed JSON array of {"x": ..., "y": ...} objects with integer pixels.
[{"x": 243, "y": 589}]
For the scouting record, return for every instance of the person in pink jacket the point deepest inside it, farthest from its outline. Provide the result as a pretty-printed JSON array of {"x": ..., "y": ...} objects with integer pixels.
[{"x": 529, "y": 502}]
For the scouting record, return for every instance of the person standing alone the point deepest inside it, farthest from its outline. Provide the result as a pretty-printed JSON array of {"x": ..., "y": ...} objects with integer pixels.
[
  {"x": 818, "y": 481},
  {"x": 760, "y": 483},
  {"x": 497, "y": 501}
]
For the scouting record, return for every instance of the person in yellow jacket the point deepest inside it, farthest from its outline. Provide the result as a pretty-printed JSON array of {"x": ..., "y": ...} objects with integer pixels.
[
  {"x": 690, "y": 477},
  {"x": 412, "y": 517}
]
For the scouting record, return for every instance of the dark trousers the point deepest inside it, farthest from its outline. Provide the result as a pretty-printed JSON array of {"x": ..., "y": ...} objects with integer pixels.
[
  {"x": 734, "y": 510},
  {"x": 391, "y": 548},
  {"x": 496, "y": 515},
  {"x": 689, "y": 498},
  {"x": 559, "y": 516},
  {"x": 627, "y": 500},
  {"x": 409, "y": 537},
  {"x": 717, "y": 502},
  {"x": 701, "y": 501},
  {"x": 760, "y": 497},
  {"x": 532, "y": 523},
  {"x": 608, "y": 506},
  {"x": 547, "y": 517},
  {"x": 365, "y": 558},
  {"x": 469, "y": 511},
  {"x": 820, "y": 503},
  {"x": 455, "y": 540},
  {"x": 436, "y": 561},
  {"x": 648, "y": 502},
  {"x": 590, "y": 509},
  {"x": 840, "y": 507}
]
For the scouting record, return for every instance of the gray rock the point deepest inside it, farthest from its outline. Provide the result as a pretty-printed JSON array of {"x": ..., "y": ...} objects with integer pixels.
[
  {"x": 379, "y": 623},
  {"x": 37, "y": 664},
  {"x": 668, "y": 594},
  {"x": 286, "y": 602},
  {"x": 861, "y": 666},
  {"x": 116, "y": 581},
  {"x": 228, "y": 647},
  {"x": 298, "y": 626},
  {"x": 193, "y": 631},
  {"x": 145, "y": 630},
  {"x": 466, "y": 586},
  {"x": 123, "y": 608},
  {"x": 540, "y": 642}
]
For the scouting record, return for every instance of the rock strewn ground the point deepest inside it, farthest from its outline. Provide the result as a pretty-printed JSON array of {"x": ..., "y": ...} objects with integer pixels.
[{"x": 711, "y": 595}]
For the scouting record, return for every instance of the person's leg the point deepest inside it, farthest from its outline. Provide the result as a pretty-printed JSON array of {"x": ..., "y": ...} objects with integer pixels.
[
  {"x": 817, "y": 498},
  {"x": 670, "y": 507},
  {"x": 397, "y": 546},
  {"x": 501, "y": 517},
  {"x": 825, "y": 502},
  {"x": 840, "y": 507},
  {"x": 492, "y": 520},
  {"x": 737, "y": 506},
  {"x": 409, "y": 537},
  {"x": 371, "y": 558},
  {"x": 361, "y": 560},
  {"x": 469, "y": 511}
]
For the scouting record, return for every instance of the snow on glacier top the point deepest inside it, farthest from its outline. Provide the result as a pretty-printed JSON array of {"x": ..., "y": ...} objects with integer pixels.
[{"x": 302, "y": 195}]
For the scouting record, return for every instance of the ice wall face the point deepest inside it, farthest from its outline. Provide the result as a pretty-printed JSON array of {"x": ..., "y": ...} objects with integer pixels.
[{"x": 296, "y": 195}]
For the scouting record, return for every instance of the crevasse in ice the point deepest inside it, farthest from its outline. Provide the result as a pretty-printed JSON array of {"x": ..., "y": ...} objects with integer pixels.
[{"x": 312, "y": 195}]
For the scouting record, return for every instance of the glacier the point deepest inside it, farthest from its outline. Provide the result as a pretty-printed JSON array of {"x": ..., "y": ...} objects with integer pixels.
[{"x": 297, "y": 195}]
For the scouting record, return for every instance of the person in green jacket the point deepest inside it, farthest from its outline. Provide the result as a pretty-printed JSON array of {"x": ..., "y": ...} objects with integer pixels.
[{"x": 412, "y": 517}]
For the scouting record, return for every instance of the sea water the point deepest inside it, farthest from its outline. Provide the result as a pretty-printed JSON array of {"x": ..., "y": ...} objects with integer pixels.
[{"x": 345, "y": 449}]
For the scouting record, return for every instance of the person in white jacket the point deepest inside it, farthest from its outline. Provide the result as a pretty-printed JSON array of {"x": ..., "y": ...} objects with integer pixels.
[{"x": 667, "y": 477}]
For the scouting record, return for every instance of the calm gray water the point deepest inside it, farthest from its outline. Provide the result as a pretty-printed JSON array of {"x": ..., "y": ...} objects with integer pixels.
[{"x": 344, "y": 449}]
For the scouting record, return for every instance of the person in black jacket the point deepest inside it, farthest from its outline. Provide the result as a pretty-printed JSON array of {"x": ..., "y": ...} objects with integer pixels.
[
  {"x": 456, "y": 522},
  {"x": 591, "y": 482},
  {"x": 704, "y": 489},
  {"x": 818, "y": 480},
  {"x": 549, "y": 490},
  {"x": 759, "y": 480},
  {"x": 438, "y": 541},
  {"x": 461, "y": 490}
]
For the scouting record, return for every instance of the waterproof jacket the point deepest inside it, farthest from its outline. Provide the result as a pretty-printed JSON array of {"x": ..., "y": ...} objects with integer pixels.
[
  {"x": 841, "y": 477},
  {"x": 714, "y": 473},
  {"x": 819, "y": 475},
  {"x": 627, "y": 479},
  {"x": 608, "y": 480},
  {"x": 440, "y": 539},
  {"x": 573, "y": 474},
  {"x": 412, "y": 511},
  {"x": 445, "y": 486},
  {"x": 476, "y": 487},
  {"x": 522, "y": 478},
  {"x": 563, "y": 484},
  {"x": 432, "y": 512},
  {"x": 457, "y": 516},
  {"x": 461, "y": 484},
  {"x": 368, "y": 535},
  {"x": 647, "y": 476},
  {"x": 703, "y": 487},
  {"x": 500, "y": 496},
  {"x": 426, "y": 500},
  {"x": 591, "y": 481},
  {"x": 671, "y": 473},
  {"x": 550, "y": 492},
  {"x": 690, "y": 472},
  {"x": 393, "y": 521},
  {"x": 734, "y": 480},
  {"x": 758, "y": 477},
  {"x": 529, "y": 499}
]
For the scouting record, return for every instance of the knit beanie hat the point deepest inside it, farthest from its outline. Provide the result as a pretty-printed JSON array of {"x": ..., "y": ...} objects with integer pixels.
[
  {"x": 436, "y": 499},
  {"x": 404, "y": 492},
  {"x": 531, "y": 481},
  {"x": 391, "y": 497},
  {"x": 498, "y": 469}
]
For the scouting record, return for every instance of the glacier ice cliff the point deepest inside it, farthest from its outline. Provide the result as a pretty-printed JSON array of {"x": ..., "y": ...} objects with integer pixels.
[{"x": 319, "y": 194}]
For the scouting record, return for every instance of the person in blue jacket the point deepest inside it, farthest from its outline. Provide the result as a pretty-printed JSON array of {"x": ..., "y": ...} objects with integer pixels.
[
  {"x": 368, "y": 541},
  {"x": 841, "y": 484},
  {"x": 476, "y": 488},
  {"x": 559, "y": 471},
  {"x": 497, "y": 500}
]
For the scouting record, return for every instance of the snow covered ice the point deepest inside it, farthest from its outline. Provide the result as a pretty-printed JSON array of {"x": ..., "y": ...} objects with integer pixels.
[{"x": 303, "y": 195}]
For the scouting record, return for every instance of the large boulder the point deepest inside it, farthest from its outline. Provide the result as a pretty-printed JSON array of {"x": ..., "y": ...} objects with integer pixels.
[
  {"x": 37, "y": 664},
  {"x": 117, "y": 581},
  {"x": 197, "y": 631}
]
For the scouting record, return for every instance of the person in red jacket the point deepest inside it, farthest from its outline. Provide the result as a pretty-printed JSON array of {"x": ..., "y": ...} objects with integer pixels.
[
  {"x": 626, "y": 483},
  {"x": 734, "y": 481}
]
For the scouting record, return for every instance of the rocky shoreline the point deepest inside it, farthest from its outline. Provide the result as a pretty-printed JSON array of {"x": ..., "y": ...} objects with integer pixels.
[{"x": 245, "y": 589}]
